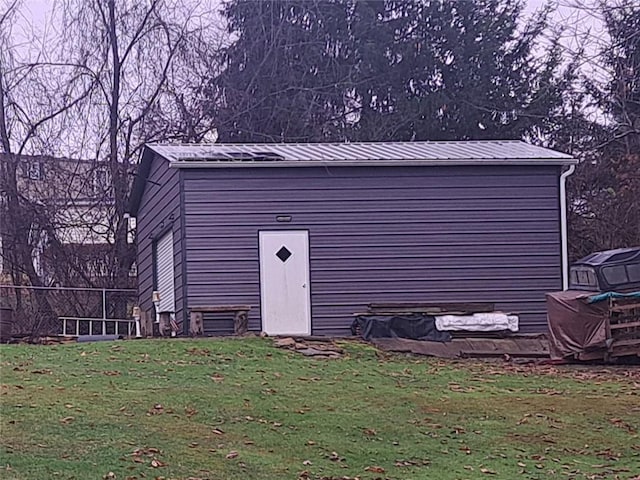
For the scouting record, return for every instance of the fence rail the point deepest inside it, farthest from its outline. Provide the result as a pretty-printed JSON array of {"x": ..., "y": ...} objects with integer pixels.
[
  {"x": 74, "y": 327},
  {"x": 70, "y": 311}
]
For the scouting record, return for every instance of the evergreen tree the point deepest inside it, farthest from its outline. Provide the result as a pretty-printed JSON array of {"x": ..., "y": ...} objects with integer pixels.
[
  {"x": 285, "y": 75},
  {"x": 387, "y": 70}
]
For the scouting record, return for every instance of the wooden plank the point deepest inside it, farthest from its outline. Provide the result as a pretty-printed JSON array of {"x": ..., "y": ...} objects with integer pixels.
[
  {"x": 625, "y": 308},
  {"x": 500, "y": 353},
  {"x": 196, "y": 324},
  {"x": 441, "y": 307},
  {"x": 624, "y": 343},
  {"x": 625, "y": 351},
  {"x": 616, "y": 326},
  {"x": 220, "y": 308},
  {"x": 240, "y": 322},
  {"x": 408, "y": 312}
]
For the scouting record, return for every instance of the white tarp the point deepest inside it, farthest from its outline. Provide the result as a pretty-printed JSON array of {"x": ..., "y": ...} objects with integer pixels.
[{"x": 478, "y": 322}]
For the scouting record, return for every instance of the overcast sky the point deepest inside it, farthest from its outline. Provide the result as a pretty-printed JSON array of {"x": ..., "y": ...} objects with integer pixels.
[{"x": 566, "y": 14}]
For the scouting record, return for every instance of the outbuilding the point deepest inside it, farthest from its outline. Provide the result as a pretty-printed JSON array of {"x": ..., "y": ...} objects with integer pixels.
[{"x": 308, "y": 234}]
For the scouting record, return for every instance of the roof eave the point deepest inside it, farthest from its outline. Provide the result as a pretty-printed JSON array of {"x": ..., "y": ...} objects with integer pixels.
[
  {"x": 140, "y": 180},
  {"x": 370, "y": 163}
]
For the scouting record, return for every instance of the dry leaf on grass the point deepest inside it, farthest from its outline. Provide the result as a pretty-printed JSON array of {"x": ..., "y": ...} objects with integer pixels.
[
  {"x": 334, "y": 457},
  {"x": 374, "y": 469},
  {"x": 487, "y": 471},
  {"x": 232, "y": 454},
  {"x": 190, "y": 411}
]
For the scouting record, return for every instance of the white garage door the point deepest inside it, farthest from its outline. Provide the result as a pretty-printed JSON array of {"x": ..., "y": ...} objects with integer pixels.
[{"x": 164, "y": 272}]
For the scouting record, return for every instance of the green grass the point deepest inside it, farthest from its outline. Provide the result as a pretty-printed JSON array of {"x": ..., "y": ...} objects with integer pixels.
[{"x": 83, "y": 410}]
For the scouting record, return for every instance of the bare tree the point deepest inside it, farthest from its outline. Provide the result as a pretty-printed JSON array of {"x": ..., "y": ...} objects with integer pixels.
[
  {"x": 137, "y": 55},
  {"x": 36, "y": 99},
  {"x": 82, "y": 103},
  {"x": 605, "y": 191}
]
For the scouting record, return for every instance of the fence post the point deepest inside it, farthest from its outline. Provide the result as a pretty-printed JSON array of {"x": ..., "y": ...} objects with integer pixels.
[{"x": 104, "y": 311}]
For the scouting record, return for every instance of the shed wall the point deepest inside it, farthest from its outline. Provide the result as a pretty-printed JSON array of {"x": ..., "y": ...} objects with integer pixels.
[
  {"x": 159, "y": 211},
  {"x": 412, "y": 234}
]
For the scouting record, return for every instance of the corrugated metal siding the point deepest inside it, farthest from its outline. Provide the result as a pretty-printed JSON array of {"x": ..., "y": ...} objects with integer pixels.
[
  {"x": 507, "y": 150},
  {"x": 410, "y": 234},
  {"x": 159, "y": 211}
]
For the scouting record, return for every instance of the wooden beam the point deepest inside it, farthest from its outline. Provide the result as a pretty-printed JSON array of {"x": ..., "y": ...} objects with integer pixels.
[{"x": 220, "y": 309}]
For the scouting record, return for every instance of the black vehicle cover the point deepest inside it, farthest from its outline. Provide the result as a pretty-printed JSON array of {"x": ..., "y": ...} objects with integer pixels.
[{"x": 416, "y": 326}]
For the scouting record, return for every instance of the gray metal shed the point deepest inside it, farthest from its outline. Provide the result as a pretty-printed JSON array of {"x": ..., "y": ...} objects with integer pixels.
[{"x": 308, "y": 234}]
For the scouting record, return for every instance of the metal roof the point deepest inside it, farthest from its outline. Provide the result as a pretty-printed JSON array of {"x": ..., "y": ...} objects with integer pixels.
[
  {"x": 619, "y": 255},
  {"x": 427, "y": 154},
  {"x": 488, "y": 152}
]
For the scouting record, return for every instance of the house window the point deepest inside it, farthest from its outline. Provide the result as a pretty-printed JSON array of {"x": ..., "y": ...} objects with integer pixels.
[{"x": 34, "y": 171}]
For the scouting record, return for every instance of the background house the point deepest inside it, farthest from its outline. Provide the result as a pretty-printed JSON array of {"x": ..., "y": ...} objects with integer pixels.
[
  {"x": 64, "y": 217},
  {"x": 309, "y": 234}
]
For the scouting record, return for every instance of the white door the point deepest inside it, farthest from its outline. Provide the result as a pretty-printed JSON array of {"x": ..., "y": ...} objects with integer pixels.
[
  {"x": 285, "y": 298},
  {"x": 164, "y": 272}
]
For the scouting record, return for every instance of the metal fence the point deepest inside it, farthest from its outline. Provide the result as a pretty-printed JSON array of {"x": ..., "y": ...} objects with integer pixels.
[{"x": 68, "y": 311}]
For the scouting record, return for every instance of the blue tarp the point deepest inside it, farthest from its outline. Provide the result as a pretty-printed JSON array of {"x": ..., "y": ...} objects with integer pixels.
[{"x": 607, "y": 295}]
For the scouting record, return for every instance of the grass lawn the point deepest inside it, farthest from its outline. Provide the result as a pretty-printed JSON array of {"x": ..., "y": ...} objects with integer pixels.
[{"x": 242, "y": 409}]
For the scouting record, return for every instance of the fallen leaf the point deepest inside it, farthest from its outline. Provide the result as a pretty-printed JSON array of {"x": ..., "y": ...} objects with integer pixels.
[
  {"x": 66, "y": 420},
  {"x": 155, "y": 463},
  {"x": 217, "y": 431},
  {"x": 110, "y": 476},
  {"x": 374, "y": 469},
  {"x": 231, "y": 454},
  {"x": 487, "y": 471},
  {"x": 190, "y": 412},
  {"x": 307, "y": 462},
  {"x": 334, "y": 457}
]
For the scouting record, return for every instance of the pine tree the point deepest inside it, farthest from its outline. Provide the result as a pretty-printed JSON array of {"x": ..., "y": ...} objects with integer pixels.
[{"x": 382, "y": 71}]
